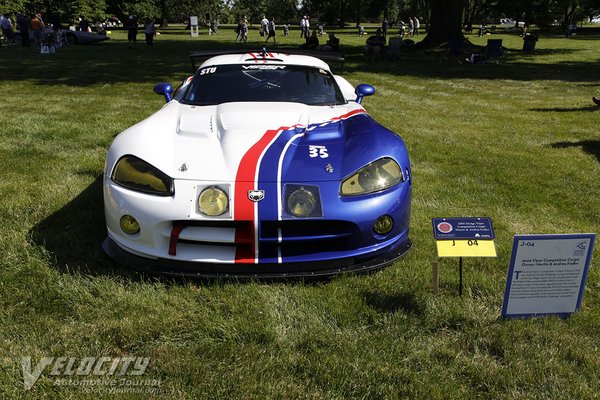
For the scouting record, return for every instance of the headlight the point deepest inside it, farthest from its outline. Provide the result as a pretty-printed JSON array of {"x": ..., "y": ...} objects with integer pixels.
[
  {"x": 303, "y": 201},
  {"x": 213, "y": 201},
  {"x": 137, "y": 174},
  {"x": 379, "y": 175}
]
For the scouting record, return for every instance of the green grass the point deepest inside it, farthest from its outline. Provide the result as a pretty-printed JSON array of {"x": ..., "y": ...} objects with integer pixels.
[{"x": 516, "y": 141}]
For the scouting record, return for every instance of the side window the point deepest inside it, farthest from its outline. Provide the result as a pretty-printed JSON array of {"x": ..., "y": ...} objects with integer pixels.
[{"x": 178, "y": 95}]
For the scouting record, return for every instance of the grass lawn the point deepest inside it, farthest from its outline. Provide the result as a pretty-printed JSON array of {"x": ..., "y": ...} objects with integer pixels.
[{"x": 517, "y": 141}]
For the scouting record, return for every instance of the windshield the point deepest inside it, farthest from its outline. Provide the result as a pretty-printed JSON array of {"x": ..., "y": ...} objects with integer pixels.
[{"x": 261, "y": 83}]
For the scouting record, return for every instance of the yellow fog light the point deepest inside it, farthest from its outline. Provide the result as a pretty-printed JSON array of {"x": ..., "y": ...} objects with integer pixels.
[
  {"x": 129, "y": 225},
  {"x": 302, "y": 203},
  {"x": 383, "y": 225},
  {"x": 213, "y": 202}
]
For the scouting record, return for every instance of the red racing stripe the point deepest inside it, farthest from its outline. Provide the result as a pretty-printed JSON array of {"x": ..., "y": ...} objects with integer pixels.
[
  {"x": 244, "y": 208},
  {"x": 348, "y": 115}
]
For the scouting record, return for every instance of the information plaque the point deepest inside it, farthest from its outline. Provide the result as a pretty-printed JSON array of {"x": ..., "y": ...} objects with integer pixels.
[
  {"x": 194, "y": 26},
  {"x": 464, "y": 237},
  {"x": 463, "y": 228},
  {"x": 547, "y": 275}
]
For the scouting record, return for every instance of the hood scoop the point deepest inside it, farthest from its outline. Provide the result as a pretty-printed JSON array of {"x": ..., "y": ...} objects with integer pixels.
[
  {"x": 195, "y": 124},
  {"x": 256, "y": 118}
]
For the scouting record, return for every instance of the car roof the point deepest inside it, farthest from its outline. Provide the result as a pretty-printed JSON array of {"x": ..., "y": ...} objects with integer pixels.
[{"x": 266, "y": 58}]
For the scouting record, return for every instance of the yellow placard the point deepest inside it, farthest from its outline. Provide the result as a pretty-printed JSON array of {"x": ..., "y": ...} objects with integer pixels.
[{"x": 466, "y": 248}]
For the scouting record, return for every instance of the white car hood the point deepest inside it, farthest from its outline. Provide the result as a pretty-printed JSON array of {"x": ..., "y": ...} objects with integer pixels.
[{"x": 208, "y": 142}]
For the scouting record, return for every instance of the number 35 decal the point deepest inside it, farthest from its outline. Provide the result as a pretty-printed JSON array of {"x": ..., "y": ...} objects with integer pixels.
[{"x": 317, "y": 151}]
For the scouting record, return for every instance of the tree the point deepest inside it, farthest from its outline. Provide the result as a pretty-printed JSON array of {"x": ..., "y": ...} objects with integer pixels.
[
  {"x": 11, "y": 6},
  {"x": 445, "y": 22},
  {"x": 70, "y": 10}
]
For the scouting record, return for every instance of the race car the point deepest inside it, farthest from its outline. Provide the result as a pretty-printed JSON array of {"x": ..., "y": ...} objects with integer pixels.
[{"x": 261, "y": 164}]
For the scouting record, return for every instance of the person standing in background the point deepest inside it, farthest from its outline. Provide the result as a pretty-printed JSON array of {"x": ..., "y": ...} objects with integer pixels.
[
  {"x": 303, "y": 27},
  {"x": 150, "y": 31},
  {"x": 8, "y": 30},
  {"x": 417, "y": 25},
  {"x": 23, "y": 26},
  {"x": 271, "y": 30},
  {"x": 36, "y": 27},
  {"x": 132, "y": 30}
]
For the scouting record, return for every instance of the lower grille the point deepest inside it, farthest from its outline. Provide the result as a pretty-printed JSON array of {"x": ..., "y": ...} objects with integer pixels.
[
  {"x": 288, "y": 238},
  {"x": 299, "y": 237}
]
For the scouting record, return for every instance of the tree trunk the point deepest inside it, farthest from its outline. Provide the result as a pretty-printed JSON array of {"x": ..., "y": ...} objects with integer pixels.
[
  {"x": 342, "y": 14},
  {"x": 164, "y": 12},
  {"x": 446, "y": 22}
]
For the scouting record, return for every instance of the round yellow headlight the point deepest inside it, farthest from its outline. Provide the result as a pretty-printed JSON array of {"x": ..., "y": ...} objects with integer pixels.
[
  {"x": 302, "y": 203},
  {"x": 383, "y": 225},
  {"x": 213, "y": 202},
  {"x": 129, "y": 225}
]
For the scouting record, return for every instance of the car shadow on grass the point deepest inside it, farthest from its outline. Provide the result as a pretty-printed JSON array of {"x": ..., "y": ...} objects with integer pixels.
[
  {"x": 589, "y": 146},
  {"x": 73, "y": 235}
]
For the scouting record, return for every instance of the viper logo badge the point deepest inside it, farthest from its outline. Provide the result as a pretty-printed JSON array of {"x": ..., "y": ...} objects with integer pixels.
[{"x": 256, "y": 195}]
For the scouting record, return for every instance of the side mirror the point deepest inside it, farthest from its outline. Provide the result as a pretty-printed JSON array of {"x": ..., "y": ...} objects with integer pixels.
[
  {"x": 363, "y": 90},
  {"x": 165, "y": 89}
]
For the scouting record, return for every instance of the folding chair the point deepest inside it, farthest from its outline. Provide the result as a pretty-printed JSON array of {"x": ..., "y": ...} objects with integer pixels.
[
  {"x": 455, "y": 50},
  {"x": 493, "y": 49},
  {"x": 393, "y": 49}
]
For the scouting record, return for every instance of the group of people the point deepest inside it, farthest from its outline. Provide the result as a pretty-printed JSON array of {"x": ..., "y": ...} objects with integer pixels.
[
  {"x": 312, "y": 42},
  {"x": 24, "y": 26},
  {"x": 242, "y": 31},
  {"x": 411, "y": 28},
  {"x": 131, "y": 25},
  {"x": 267, "y": 28},
  {"x": 33, "y": 28},
  {"x": 305, "y": 27}
]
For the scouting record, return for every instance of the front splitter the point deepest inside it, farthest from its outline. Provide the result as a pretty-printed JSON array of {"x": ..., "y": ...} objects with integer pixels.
[{"x": 313, "y": 269}]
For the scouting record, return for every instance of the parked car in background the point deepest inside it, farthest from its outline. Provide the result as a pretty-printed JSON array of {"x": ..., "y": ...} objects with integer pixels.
[
  {"x": 82, "y": 37},
  {"x": 510, "y": 24}
]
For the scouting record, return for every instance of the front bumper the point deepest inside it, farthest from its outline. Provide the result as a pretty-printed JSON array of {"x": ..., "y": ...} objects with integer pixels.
[{"x": 312, "y": 269}]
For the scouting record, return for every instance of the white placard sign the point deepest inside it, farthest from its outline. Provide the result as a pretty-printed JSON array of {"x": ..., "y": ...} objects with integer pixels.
[
  {"x": 547, "y": 275},
  {"x": 193, "y": 21}
]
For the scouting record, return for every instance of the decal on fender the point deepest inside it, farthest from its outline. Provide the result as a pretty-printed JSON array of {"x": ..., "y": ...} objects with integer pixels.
[{"x": 317, "y": 151}]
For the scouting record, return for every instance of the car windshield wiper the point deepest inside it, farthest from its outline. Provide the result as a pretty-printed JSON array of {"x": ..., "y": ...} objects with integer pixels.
[{"x": 260, "y": 82}]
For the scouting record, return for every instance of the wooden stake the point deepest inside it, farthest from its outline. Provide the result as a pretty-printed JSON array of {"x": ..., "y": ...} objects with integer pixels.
[{"x": 435, "y": 277}]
